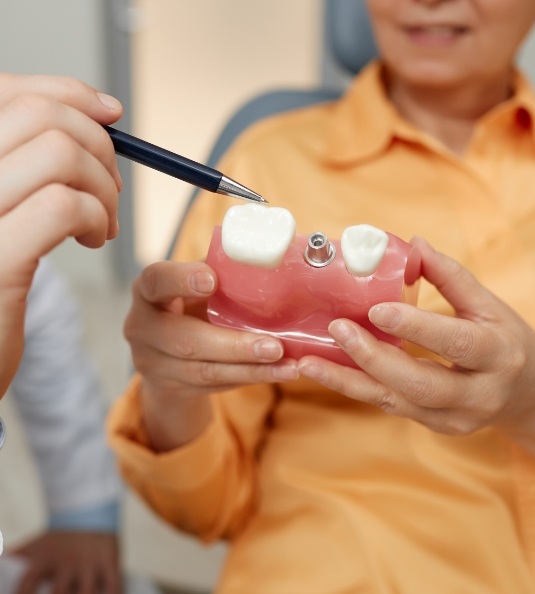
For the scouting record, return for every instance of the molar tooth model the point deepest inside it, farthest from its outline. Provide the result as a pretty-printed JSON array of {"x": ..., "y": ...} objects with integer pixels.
[{"x": 291, "y": 286}]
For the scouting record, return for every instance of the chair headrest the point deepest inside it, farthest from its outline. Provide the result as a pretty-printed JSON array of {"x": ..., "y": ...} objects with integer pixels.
[{"x": 349, "y": 33}]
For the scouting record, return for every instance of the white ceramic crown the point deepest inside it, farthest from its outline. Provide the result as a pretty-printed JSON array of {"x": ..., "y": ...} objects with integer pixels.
[
  {"x": 256, "y": 234},
  {"x": 363, "y": 248}
]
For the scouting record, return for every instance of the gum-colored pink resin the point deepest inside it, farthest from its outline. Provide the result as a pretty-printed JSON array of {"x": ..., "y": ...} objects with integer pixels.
[{"x": 296, "y": 302}]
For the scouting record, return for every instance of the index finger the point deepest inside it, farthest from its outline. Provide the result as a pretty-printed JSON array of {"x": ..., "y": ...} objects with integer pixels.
[
  {"x": 100, "y": 107},
  {"x": 461, "y": 342}
]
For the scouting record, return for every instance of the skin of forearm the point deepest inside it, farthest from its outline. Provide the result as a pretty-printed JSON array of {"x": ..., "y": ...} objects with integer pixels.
[{"x": 172, "y": 422}]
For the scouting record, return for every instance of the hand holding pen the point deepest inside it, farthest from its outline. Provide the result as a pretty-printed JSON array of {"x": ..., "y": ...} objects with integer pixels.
[{"x": 58, "y": 179}]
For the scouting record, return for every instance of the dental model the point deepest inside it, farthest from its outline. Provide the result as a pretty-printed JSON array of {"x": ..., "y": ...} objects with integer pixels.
[{"x": 291, "y": 286}]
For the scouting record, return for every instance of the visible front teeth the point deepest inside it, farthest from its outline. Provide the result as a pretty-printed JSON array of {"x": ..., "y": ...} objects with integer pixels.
[
  {"x": 439, "y": 30},
  {"x": 256, "y": 234},
  {"x": 363, "y": 248}
]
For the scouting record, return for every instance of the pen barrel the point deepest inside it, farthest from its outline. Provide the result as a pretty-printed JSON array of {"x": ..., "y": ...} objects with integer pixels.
[{"x": 164, "y": 161}]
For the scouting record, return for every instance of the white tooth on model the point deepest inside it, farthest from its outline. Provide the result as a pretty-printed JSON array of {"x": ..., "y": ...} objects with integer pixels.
[
  {"x": 363, "y": 248},
  {"x": 257, "y": 234}
]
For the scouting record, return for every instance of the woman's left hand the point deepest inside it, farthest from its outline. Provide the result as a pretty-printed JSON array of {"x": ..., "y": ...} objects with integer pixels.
[{"x": 491, "y": 379}]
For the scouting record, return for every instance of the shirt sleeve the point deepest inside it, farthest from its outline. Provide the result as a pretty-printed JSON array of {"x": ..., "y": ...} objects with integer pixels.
[
  {"x": 97, "y": 518},
  {"x": 207, "y": 487},
  {"x": 60, "y": 401}
]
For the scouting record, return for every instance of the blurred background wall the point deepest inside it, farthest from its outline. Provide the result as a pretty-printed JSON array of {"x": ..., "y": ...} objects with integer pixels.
[{"x": 181, "y": 67}]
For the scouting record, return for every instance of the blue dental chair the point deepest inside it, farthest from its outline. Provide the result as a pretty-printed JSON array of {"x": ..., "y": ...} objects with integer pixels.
[{"x": 349, "y": 46}]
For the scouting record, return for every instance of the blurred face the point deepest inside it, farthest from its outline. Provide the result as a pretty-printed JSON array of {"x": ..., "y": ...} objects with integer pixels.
[{"x": 444, "y": 43}]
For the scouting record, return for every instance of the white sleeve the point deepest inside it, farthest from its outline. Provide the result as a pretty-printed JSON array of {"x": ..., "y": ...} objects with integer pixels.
[{"x": 60, "y": 400}]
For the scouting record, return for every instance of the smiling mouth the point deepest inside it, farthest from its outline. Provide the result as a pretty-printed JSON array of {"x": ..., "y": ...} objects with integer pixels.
[{"x": 437, "y": 30}]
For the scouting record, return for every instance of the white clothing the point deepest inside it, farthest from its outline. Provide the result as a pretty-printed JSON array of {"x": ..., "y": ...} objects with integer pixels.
[{"x": 60, "y": 400}]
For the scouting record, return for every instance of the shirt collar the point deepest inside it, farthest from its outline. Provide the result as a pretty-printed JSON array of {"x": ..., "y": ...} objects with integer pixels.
[
  {"x": 362, "y": 122},
  {"x": 365, "y": 122},
  {"x": 519, "y": 109}
]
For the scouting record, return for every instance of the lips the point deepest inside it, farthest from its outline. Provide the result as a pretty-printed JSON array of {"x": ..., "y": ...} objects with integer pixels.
[
  {"x": 438, "y": 30},
  {"x": 435, "y": 34}
]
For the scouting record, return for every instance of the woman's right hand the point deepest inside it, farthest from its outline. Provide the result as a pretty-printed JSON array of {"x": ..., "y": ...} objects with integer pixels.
[{"x": 183, "y": 358}]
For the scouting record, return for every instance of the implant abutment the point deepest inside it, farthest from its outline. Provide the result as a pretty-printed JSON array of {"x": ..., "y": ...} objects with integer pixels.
[{"x": 319, "y": 251}]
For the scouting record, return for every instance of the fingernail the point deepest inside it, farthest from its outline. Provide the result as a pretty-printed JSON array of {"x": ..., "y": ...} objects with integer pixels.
[
  {"x": 118, "y": 180},
  {"x": 110, "y": 102},
  {"x": 386, "y": 316},
  {"x": 202, "y": 282},
  {"x": 267, "y": 349},
  {"x": 341, "y": 331},
  {"x": 313, "y": 372},
  {"x": 417, "y": 240},
  {"x": 113, "y": 230},
  {"x": 286, "y": 372}
]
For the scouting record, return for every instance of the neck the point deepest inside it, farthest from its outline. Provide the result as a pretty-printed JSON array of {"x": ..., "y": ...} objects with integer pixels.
[{"x": 448, "y": 115}]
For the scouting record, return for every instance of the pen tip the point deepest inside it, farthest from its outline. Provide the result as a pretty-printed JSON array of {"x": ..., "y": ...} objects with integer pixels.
[{"x": 229, "y": 187}]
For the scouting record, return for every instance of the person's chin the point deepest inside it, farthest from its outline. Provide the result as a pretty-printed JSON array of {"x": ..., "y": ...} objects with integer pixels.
[{"x": 431, "y": 74}]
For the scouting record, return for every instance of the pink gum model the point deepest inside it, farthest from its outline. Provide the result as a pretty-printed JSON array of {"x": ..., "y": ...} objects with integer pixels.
[{"x": 297, "y": 300}]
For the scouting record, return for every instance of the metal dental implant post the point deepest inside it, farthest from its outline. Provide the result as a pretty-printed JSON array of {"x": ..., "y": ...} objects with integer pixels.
[{"x": 320, "y": 251}]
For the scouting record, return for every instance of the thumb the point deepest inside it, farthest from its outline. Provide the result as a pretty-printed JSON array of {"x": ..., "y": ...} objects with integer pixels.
[
  {"x": 163, "y": 282},
  {"x": 11, "y": 337}
]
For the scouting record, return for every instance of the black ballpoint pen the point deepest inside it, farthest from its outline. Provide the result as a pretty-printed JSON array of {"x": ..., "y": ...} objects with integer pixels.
[{"x": 177, "y": 166}]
